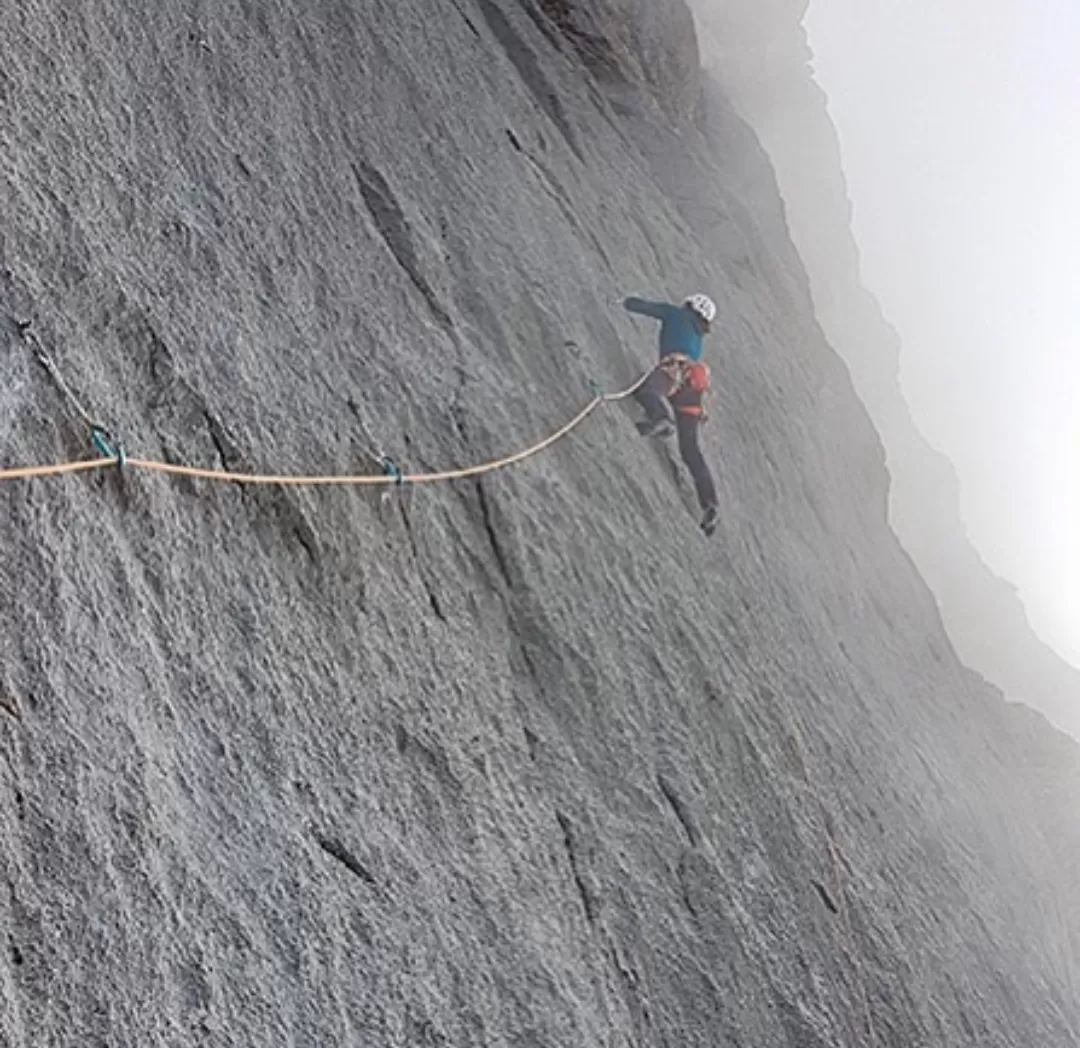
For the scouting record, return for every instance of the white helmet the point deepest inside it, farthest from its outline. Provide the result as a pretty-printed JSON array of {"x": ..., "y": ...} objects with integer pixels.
[{"x": 704, "y": 306}]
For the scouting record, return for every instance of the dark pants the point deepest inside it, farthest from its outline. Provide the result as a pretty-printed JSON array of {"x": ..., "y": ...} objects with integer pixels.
[{"x": 653, "y": 397}]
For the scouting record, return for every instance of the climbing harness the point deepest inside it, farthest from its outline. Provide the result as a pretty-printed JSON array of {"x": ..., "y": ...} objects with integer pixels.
[
  {"x": 684, "y": 373},
  {"x": 390, "y": 475},
  {"x": 688, "y": 383}
]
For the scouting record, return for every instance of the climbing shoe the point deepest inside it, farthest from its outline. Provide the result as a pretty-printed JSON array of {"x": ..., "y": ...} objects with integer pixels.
[
  {"x": 662, "y": 427},
  {"x": 709, "y": 519}
]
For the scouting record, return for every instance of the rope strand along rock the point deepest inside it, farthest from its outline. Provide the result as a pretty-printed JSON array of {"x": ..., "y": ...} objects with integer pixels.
[{"x": 114, "y": 456}]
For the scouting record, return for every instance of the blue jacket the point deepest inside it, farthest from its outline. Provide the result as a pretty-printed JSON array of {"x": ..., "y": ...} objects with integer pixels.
[{"x": 680, "y": 329}]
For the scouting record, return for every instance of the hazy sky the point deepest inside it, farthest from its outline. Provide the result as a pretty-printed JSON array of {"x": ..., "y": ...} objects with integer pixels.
[{"x": 960, "y": 125}]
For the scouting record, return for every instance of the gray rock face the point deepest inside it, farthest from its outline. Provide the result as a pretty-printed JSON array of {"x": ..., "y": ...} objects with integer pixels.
[
  {"x": 650, "y": 44},
  {"x": 524, "y": 761}
]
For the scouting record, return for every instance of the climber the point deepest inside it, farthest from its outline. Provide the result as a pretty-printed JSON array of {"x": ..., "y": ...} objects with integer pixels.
[{"x": 681, "y": 380}]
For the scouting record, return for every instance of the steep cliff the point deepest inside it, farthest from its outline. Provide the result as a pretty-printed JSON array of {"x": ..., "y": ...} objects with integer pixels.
[
  {"x": 760, "y": 54},
  {"x": 518, "y": 761}
]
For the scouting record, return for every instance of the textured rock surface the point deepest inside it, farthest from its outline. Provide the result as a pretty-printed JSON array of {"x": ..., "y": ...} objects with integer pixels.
[
  {"x": 758, "y": 49},
  {"x": 518, "y": 762}
]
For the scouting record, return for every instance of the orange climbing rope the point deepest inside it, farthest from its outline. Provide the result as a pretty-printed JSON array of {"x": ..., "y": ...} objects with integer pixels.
[
  {"x": 82, "y": 466},
  {"x": 327, "y": 480}
]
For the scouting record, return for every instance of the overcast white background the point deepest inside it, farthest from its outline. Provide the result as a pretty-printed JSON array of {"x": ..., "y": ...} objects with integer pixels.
[{"x": 960, "y": 127}]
